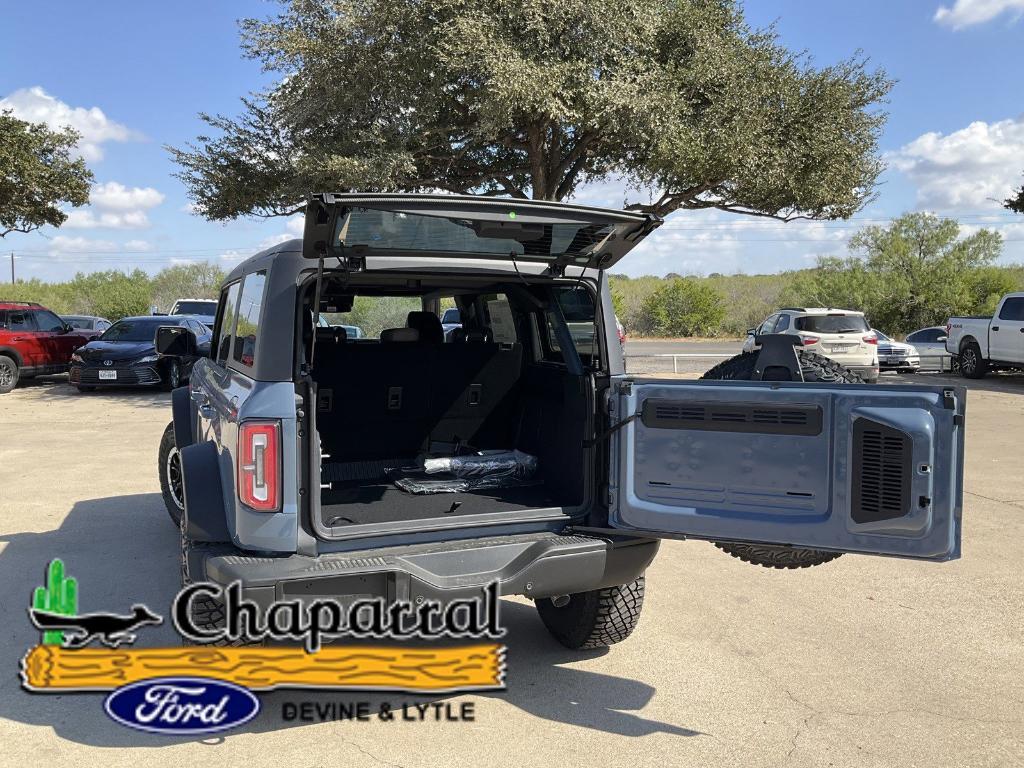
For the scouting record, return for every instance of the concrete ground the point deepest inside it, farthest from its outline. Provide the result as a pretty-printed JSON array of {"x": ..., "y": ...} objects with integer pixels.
[{"x": 861, "y": 662}]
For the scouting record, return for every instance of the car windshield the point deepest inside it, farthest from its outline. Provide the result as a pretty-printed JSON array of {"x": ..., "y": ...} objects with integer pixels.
[
  {"x": 881, "y": 336},
  {"x": 79, "y": 322},
  {"x": 134, "y": 330},
  {"x": 207, "y": 308},
  {"x": 832, "y": 323},
  {"x": 451, "y": 316}
]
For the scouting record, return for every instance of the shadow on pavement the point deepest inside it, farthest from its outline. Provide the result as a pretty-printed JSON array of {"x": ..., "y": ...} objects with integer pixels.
[
  {"x": 1007, "y": 383},
  {"x": 58, "y": 388},
  {"x": 124, "y": 550}
]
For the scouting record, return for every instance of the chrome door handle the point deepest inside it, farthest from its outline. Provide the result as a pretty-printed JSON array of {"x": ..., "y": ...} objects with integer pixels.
[{"x": 995, "y": 327}]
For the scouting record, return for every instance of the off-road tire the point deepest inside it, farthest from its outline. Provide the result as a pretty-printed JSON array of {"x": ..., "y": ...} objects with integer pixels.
[
  {"x": 207, "y": 613},
  {"x": 9, "y": 374},
  {"x": 171, "y": 378},
  {"x": 972, "y": 364},
  {"x": 595, "y": 619},
  {"x": 171, "y": 486},
  {"x": 814, "y": 367}
]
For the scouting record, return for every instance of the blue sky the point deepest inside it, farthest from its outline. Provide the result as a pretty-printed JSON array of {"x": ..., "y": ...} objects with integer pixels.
[{"x": 132, "y": 77}]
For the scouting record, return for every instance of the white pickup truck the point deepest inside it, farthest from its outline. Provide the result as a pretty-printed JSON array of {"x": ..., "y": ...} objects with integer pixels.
[{"x": 983, "y": 344}]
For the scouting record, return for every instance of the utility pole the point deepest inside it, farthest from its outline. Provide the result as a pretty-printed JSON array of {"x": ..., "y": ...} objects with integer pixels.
[{"x": 12, "y": 267}]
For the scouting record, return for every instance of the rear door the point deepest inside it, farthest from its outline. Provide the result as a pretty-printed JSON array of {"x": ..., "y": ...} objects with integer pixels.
[
  {"x": 1006, "y": 333},
  {"x": 851, "y": 468},
  {"x": 25, "y": 337}
]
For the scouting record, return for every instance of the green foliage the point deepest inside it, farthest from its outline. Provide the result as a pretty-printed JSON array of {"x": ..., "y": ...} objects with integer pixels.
[
  {"x": 684, "y": 307},
  {"x": 375, "y": 313},
  {"x": 914, "y": 273},
  {"x": 38, "y": 175},
  {"x": 114, "y": 294},
  {"x": 533, "y": 98},
  {"x": 1016, "y": 203},
  {"x": 58, "y": 595}
]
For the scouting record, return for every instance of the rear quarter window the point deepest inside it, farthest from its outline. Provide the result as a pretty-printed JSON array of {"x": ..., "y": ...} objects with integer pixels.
[
  {"x": 250, "y": 309},
  {"x": 226, "y": 322}
]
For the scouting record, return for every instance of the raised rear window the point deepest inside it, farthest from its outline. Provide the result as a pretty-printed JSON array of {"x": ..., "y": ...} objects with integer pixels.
[{"x": 832, "y": 323}]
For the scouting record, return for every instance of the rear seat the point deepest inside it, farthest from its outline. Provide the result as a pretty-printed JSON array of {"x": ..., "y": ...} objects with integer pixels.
[{"x": 388, "y": 400}]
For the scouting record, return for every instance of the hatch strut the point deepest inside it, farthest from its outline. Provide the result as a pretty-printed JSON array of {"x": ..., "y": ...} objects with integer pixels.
[{"x": 316, "y": 307}]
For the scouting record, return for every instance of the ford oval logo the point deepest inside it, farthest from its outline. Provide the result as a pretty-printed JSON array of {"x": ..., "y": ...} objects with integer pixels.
[{"x": 182, "y": 705}]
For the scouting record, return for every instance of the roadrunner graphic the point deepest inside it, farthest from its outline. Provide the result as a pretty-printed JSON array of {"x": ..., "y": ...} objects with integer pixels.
[{"x": 111, "y": 629}]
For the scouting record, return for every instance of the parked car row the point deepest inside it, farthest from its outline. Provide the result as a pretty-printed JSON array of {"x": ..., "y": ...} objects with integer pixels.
[{"x": 35, "y": 341}]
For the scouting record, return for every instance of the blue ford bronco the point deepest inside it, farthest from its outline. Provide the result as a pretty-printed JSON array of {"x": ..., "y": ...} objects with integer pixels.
[{"x": 411, "y": 464}]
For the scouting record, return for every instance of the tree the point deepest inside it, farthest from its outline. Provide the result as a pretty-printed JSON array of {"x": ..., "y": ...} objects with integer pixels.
[
  {"x": 192, "y": 281},
  {"x": 534, "y": 98},
  {"x": 38, "y": 174},
  {"x": 684, "y": 307},
  {"x": 914, "y": 273},
  {"x": 1016, "y": 203}
]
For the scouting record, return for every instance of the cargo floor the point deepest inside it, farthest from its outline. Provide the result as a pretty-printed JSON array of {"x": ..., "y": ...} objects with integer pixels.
[{"x": 383, "y": 503}]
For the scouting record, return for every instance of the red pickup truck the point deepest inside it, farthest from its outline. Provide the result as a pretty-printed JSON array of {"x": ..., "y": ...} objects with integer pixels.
[{"x": 33, "y": 341}]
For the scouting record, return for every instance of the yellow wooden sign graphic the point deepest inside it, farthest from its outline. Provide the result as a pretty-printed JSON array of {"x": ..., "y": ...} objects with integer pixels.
[{"x": 50, "y": 668}]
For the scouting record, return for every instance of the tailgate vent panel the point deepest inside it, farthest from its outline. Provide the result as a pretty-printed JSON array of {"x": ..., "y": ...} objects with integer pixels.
[
  {"x": 881, "y": 472},
  {"x": 732, "y": 417}
]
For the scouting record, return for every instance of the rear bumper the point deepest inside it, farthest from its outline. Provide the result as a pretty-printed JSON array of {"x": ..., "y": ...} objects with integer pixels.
[
  {"x": 899, "y": 363},
  {"x": 535, "y": 565},
  {"x": 867, "y": 372}
]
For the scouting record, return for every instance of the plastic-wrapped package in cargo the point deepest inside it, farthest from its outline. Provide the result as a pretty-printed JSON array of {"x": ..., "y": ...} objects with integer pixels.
[
  {"x": 495, "y": 469},
  {"x": 512, "y": 464}
]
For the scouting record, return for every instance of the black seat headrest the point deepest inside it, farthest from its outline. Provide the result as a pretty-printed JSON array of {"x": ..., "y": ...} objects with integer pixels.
[
  {"x": 331, "y": 334},
  {"x": 402, "y": 335},
  {"x": 429, "y": 326}
]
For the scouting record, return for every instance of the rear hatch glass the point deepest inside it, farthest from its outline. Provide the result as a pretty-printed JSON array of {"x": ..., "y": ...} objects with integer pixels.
[
  {"x": 473, "y": 227},
  {"x": 832, "y": 323}
]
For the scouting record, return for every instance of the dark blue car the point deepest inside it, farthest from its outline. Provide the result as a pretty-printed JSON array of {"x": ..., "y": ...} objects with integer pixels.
[{"x": 125, "y": 355}]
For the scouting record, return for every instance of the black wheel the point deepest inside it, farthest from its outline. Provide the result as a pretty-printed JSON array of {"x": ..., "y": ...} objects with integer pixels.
[
  {"x": 9, "y": 374},
  {"x": 171, "y": 488},
  {"x": 207, "y": 613},
  {"x": 172, "y": 375},
  {"x": 972, "y": 364},
  {"x": 815, "y": 367},
  {"x": 594, "y": 619}
]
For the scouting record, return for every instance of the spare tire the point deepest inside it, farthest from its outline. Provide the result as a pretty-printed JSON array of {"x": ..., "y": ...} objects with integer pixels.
[{"x": 814, "y": 367}]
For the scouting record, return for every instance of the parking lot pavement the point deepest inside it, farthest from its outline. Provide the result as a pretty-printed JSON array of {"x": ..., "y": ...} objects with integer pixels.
[{"x": 861, "y": 662}]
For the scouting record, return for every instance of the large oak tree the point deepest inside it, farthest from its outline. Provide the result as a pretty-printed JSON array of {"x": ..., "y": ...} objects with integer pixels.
[
  {"x": 532, "y": 98},
  {"x": 38, "y": 174}
]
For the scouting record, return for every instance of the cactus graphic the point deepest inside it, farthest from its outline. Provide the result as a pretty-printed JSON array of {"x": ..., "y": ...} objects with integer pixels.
[{"x": 60, "y": 595}]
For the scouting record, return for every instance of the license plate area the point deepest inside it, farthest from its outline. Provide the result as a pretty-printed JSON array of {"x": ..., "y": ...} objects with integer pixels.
[
  {"x": 840, "y": 347},
  {"x": 108, "y": 375}
]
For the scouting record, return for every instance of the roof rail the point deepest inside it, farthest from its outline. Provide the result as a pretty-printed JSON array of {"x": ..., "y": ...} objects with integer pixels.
[
  {"x": 792, "y": 309},
  {"x": 21, "y": 303}
]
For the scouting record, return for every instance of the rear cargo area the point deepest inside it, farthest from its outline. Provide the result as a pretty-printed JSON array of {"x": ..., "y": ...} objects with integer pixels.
[{"x": 384, "y": 405}]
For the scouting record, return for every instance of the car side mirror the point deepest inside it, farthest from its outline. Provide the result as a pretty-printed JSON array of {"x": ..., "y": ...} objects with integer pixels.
[
  {"x": 751, "y": 331},
  {"x": 68, "y": 328},
  {"x": 175, "y": 340},
  {"x": 942, "y": 338}
]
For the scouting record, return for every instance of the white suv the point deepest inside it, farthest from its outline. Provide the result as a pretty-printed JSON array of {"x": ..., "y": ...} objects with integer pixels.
[{"x": 842, "y": 335}]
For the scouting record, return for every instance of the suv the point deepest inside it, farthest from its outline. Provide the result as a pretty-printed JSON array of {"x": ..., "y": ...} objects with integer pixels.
[
  {"x": 842, "y": 335},
  {"x": 201, "y": 309},
  {"x": 401, "y": 465},
  {"x": 34, "y": 342}
]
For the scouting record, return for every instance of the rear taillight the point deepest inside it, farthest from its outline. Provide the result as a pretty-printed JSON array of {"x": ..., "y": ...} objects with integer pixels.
[
  {"x": 259, "y": 465},
  {"x": 870, "y": 339},
  {"x": 808, "y": 340}
]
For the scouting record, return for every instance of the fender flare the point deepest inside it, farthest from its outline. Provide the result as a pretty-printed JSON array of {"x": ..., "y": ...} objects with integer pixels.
[
  {"x": 205, "y": 518},
  {"x": 183, "y": 418},
  {"x": 12, "y": 353},
  {"x": 964, "y": 341}
]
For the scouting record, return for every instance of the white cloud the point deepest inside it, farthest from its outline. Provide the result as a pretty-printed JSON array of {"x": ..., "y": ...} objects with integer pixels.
[
  {"x": 967, "y": 13},
  {"x": 115, "y": 206},
  {"x": 293, "y": 229},
  {"x": 138, "y": 245},
  {"x": 965, "y": 169},
  {"x": 37, "y": 106}
]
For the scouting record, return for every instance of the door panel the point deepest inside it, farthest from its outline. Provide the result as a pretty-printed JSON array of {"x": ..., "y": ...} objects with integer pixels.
[
  {"x": 1007, "y": 344},
  {"x": 874, "y": 469}
]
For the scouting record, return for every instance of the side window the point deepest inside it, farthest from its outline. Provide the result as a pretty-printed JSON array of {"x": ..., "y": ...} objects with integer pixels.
[
  {"x": 47, "y": 321},
  {"x": 20, "y": 320},
  {"x": 3, "y": 318},
  {"x": 577, "y": 305},
  {"x": 1012, "y": 309},
  {"x": 768, "y": 325},
  {"x": 249, "y": 309},
  {"x": 782, "y": 325},
  {"x": 226, "y": 322}
]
